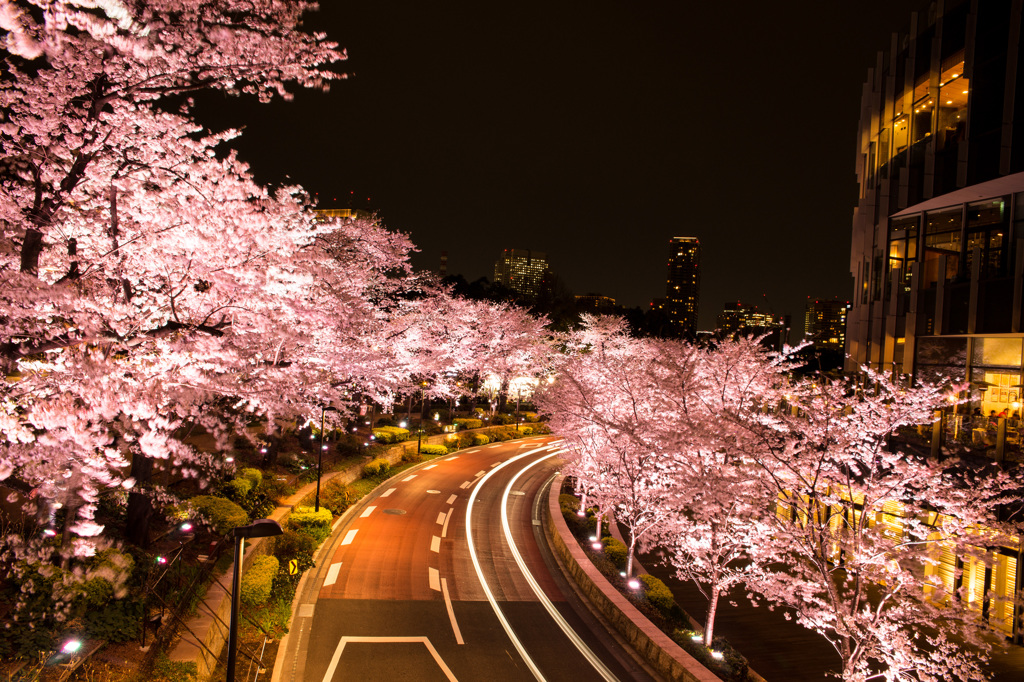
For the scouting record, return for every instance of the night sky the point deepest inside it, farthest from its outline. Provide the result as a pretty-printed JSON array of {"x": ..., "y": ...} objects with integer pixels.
[{"x": 594, "y": 131}]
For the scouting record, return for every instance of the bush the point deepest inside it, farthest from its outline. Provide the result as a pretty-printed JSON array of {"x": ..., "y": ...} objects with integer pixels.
[
  {"x": 500, "y": 419},
  {"x": 305, "y": 517},
  {"x": 115, "y": 621},
  {"x": 336, "y": 496},
  {"x": 254, "y": 476},
  {"x": 526, "y": 430},
  {"x": 616, "y": 551},
  {"x": 433, "y": 449},
  {"x": 223, "y": 514},
  {"x": 480, "y": 439},
  {"x": 276, "y": 488},
  {"x": 166, "y": 670},
  {"x": 412, "y": 456},
  {"x": 386, "y": 421},
  {"x": 468, "y": 423},
  {"x": 390, "y": 434},
  {"x": 657, "y": 593},
  {"x": 238, "y": 489},
  {"x": 377, "y": 468},
  {"x": 295, "y": 545},
  {"x": 529, "y": 416},
  {"x": 258, "y": 581}
]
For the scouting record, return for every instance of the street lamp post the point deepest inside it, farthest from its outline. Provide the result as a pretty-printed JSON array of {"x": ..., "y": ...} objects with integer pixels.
[
  {"x": 258, "y": 529},
  {"x": 320, "y": 458}
]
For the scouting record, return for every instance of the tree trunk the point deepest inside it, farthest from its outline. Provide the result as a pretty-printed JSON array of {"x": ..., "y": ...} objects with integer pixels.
[
  {"x": 709, "y": 624},
  {"x": 140, "y": 508}
]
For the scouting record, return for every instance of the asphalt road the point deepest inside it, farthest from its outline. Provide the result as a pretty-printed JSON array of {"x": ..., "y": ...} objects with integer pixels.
[{"x": 420, "y": 583}]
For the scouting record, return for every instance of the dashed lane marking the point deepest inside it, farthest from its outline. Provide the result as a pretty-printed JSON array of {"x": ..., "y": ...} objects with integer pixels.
[
  {"x": 435, "y": 579},
  {"x": 349, "y": 537},
  {"x": 332, "y": 574},
  {"x": 435, "y": 544},
  {"x": 388, "y": 492},
  {"x": 367, "y": 512}
]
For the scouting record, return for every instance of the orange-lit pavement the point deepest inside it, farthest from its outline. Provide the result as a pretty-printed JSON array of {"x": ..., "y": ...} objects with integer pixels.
[{"x": 403, "y": 597}]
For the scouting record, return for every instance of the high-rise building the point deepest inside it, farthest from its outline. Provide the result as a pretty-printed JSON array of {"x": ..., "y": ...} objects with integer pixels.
[
  {"x": 745, "y": 318},
  {"x": 825, "y": 323},
  {"x": 595, "y": 303},
  {"x": 521, "y": 270},
  {"x": 938, "y": 239},
  {"x": 683, "y": 286},
  {"x": 938, "y": 232}
]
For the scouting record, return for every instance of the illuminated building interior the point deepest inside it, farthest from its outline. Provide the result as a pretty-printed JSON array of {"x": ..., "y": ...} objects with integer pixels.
[
  {"x": 682, "y": 289},
  {"x": 521, "y": 270}
]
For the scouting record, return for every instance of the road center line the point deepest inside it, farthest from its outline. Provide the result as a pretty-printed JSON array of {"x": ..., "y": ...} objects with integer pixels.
[
  {"x": 451, "y": 611},
  {"x": 435, "y": 579},
  {"x": 441, "y": 517},
  {"x": 435, "y": 543},
  {"x": 429, "y": 467}
]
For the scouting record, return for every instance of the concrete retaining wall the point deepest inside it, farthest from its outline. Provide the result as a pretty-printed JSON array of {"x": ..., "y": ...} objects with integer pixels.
[{"x": 657, "y": 648}]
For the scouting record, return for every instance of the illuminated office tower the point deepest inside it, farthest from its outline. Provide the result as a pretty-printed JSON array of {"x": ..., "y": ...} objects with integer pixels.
[
  {"x": 683, "y": 287},
  {"x": 522, "y": 271},
  {"x": 825, "y": 323}
]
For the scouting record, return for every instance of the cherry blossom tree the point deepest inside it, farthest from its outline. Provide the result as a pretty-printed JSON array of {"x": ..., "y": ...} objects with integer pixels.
[{"x": 861, "y": 523}]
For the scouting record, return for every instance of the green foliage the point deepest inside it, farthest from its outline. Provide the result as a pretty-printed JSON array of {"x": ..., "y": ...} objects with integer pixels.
[
  {"x": 336, "y": 496},
  {"x": 501, "y": 418},
  {"x": 378, "y": 468},
  {"x": 238, "y": 489},
  {"x": 254, "y": 476},
  {"x": 616, "y": 551},
  {"x": 166, "y": 670},
  {"x": 569, "y": 504},
  {"x": 222, "y": 513},
  {"x": 303, "y": 517},
  {"x": 31, "y": 627},
  {"x": 390, "y": 434},
  {"x": 114, "y": 621},
  {"x": 277, "y": 488},
  {"x": 411, "y": 456},
  {"x": 468, "y": 423},
  {"x": 529, "y": 416},
  {"x": 386, "y": 420},
  {"x": 480, "y": 439},
  {"x": 433, "y": 449},
  {"x": 258, "y": 580},
  {"x": 657, "y": 593},
  {"x": 526, "y": 430}
]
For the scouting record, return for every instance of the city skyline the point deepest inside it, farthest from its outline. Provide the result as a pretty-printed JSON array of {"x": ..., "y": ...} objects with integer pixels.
[{"x": 593, "y": 134}]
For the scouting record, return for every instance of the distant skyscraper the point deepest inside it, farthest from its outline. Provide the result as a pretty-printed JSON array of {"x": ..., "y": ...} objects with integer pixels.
[
  {"x": 443, "y": 270},
  {"x": 595, "y": 303},
  {"x": 521, "y": 270},
  {"x": 825, "y": 323},
  {"x": 744, "y": 318},
  {"x": 683, "y": 286}
]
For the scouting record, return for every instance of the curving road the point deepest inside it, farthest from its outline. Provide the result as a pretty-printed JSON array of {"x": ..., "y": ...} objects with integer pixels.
[{"x": 439, "y": 575}]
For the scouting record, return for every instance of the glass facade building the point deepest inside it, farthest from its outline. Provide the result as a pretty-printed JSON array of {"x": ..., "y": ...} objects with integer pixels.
[
  {"x": 825, "y": 323},
  {"x": 937, "y": 251}
]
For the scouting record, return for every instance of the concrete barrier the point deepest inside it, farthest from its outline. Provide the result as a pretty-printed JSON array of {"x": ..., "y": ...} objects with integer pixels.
[{"x": 653, "y": 645}]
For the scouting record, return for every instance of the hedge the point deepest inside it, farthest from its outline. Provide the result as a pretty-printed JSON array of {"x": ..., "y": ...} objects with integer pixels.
[
  {"x": 433, "y": 449},
  {"x": 254, "y": 476},
  {"x": 222, "y": 513},
  {"x": 468, "y": 423},
  {"x": 377, "y": 468},
  {"x": 480, "y": 439},
  {"x": 390, "y": 434},
  {"x": 239, "y": 488},
  {"x": 305, "y": 516},
  {"x": 616, "y": 551},
  {"x": 258, "y": 580},
  {"x": 657, "y": 593}
]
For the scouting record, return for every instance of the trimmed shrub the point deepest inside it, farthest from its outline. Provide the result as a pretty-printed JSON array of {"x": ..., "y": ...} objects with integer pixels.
[
  {"x": 386, "y": 421},
  {"x": 389, "y": 435},
  {"x": 258, "y": 581},
  {"x": 480, "y": 439},
  {"x": 316, "y": 524},
  {"x": 526, "y": 430},
  {"x": 254, "y": 476},
  {"x": 657, "y": 593},
  {"x": 501, "y": 418},
  {"x": 412, "y": 456},
  {"x": 238, "y": 489},
  {"x": 377, "y": 468},
  {"x": 529, "y": 416},
  {"x": 616, "y": 551},
  {"x": 222, "y": 513},
  {"x": 468, "y": 423},
  {"x": 433, "y": 449}
]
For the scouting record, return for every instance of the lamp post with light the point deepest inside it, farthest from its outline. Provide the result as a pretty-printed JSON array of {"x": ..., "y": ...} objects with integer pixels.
[
  {"x": 320, "y": 458},
  {"x": 262, "y": 528}
]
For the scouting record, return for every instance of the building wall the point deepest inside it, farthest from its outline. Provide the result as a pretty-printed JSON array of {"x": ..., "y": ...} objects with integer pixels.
[
  {"x": 935, "y": 248},
  {"x": 682, "y": 289},
  {"x": 825, "y": 323},
  {"x": 521, "y": 270}
]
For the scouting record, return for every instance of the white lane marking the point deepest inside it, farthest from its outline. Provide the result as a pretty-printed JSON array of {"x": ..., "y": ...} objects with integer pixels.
[
  {"x": 435, "y": 579},
  {"x": 388, "y": 492},
  {"x": 447, "y": 518},
  {"x": 349, "y": 537},
  {"x": 470, "y": 452},
  {"x": 367, "y": 512},
  {"x": 451, "y": 500},
  {"x": 336, "y": 658},
  {"x": 480, "y": 574},
  {"x": 441, "y": 516},
  {"x": 448, "y": 459},
  {"x": 435, "y": 543},
  {"x": 332, "y": 574},
  {"x": 451, "y": 611},
  {"x": 495, "y": 464},
  {"x": 429, "y": 467},
  {"x": 408, "y": 478},
  {"x": 479, "y": 474},
  {"x": 548, "y": 606},
  {"x": 466, "y": 484}
]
